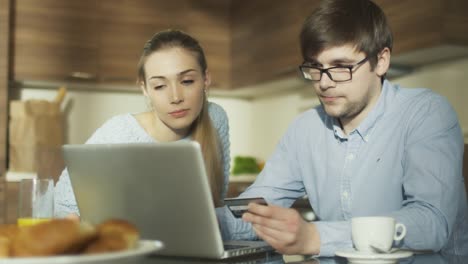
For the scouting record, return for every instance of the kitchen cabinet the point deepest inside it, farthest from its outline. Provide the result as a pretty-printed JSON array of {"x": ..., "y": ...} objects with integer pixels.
[
  {"x": 101, "y": 41},
  {"x": 265, "y": 39},
  {"x": 55, "y": 40},
  {"x": 127, "y": 25},
  {"x": 265, "y": 45},
  {"x": 427, "y": 31},
  {"x": 246, "y": 42}
]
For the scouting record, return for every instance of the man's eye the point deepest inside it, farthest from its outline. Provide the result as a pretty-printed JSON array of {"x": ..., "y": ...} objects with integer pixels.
[
  {"x": 157, "y": 87},
  {"x": 187, "y": 82}
]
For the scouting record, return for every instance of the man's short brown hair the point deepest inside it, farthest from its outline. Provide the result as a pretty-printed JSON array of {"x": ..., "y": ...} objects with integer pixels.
[{"x": 339, "y": 22}]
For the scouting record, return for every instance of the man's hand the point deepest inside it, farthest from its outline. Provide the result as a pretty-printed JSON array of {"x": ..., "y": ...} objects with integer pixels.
[
  {"x": 73, "y": 217},
  {"x": 284, "y": 229}
]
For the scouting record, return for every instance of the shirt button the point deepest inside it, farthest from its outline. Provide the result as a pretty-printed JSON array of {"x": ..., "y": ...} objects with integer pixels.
[
  {"x": 350, "y": 156},
  {"x": 345, "y": 194},
  {"x": 366, "y": 138}
]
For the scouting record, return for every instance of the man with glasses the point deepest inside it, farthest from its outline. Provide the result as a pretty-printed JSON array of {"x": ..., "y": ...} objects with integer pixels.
[{"x": 370, "y": 149}]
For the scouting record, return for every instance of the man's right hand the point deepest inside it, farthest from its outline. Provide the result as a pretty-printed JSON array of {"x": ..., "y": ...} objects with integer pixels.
[{"x": 73, "y": 217}]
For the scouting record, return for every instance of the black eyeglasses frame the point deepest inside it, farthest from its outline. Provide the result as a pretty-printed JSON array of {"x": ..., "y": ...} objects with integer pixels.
[{"x": 351, "y": 68}]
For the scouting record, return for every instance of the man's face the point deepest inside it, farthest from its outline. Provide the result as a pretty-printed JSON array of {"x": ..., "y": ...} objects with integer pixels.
[{"x": 349, "y": 100}]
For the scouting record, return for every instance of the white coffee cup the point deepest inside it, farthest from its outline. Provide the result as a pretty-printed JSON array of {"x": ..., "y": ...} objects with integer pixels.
[{"x": 376, "y": 232}]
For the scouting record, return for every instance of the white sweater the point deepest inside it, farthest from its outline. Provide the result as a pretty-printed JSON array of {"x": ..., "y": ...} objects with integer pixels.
[{"x": 126, "y": 129}]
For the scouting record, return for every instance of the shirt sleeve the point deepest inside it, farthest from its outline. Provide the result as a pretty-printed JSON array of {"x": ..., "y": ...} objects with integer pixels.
[
  {"x": 432, "y": 180},
  {"x": 334, "y": 235},
  {"x": 279, "y": 183}
]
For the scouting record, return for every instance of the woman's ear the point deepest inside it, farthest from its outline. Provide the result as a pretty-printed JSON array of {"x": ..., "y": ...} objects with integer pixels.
[
  {"x": 207, "y": 79},
  {"x": 383, "y": 62}
]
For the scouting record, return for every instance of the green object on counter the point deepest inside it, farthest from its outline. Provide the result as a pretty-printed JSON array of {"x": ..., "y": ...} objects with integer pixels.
[{"x": 243, "y": 165}]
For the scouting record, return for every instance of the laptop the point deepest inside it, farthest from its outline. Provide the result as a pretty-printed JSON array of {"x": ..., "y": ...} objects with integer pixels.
[{"x": 162, "y": 188}]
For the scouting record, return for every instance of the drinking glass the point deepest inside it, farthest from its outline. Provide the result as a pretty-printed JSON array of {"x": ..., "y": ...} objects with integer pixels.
[{"x": 36, "y": 201}]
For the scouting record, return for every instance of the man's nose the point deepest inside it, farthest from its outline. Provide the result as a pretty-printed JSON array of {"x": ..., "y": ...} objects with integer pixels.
[{"x": 326, "y": 81}]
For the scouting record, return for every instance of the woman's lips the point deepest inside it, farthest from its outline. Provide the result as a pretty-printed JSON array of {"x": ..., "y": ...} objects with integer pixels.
[{"x": 179, "y": 113}]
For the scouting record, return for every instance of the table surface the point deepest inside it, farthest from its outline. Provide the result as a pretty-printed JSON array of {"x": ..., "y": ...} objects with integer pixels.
[{"x": 274, "y": 258}]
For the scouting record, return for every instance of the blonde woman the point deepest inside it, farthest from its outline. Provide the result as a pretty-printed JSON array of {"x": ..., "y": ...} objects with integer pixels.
[{"x": 174, "y": 78}]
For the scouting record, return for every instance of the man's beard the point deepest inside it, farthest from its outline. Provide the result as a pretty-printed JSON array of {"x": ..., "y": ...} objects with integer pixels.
[{"x": 347, "y": 111}]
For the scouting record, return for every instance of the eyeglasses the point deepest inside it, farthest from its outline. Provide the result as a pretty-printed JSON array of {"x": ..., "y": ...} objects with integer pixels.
[{"x": 336, "y": 74}]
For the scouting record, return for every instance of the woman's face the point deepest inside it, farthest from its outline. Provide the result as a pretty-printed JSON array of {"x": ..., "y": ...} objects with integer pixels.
[{"x": 175, "y": 86}]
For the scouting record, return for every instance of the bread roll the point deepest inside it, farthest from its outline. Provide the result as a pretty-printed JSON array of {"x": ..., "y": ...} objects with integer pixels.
[
  {"x": 55, "y": 237},
  {"x": 114, "y": 235}
]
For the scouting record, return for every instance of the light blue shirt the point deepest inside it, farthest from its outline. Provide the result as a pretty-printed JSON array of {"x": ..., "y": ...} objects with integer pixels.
[{"x": 404, "y": 160}]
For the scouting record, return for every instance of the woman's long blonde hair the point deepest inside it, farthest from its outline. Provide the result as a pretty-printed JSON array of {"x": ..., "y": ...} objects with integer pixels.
[{"x": 202, "y": 129}]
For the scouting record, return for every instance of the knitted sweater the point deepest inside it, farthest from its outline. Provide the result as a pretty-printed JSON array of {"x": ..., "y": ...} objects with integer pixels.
[{"x": 126, "y": 129}]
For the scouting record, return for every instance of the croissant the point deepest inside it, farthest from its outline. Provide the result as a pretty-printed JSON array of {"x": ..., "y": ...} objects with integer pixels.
[
  {"x": 113, "y": 235},
  {"x": 55, "y": 237}
]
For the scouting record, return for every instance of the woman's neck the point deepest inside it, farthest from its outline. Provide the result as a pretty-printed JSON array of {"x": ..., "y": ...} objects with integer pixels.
[{"x": 159, "y": 130}]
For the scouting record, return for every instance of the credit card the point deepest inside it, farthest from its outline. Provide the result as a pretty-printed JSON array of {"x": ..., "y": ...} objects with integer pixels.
[{"x": 238, "y": 206}]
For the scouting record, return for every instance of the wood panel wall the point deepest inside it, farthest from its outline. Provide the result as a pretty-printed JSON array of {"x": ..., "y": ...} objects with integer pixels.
[
  {"x": 265, "y": 39},
  {"x": 457, "y": 22},
  {"x": 55, "y": 40}
]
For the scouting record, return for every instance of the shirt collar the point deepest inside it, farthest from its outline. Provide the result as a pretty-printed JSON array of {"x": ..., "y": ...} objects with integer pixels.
[{"x": 364, "y": 130}]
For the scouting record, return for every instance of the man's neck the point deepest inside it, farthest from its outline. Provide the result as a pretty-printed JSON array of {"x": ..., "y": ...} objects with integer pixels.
[{"x": 348, "y": 124}]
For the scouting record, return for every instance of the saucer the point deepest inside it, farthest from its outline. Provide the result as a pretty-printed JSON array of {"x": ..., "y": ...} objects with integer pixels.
[{"x": 355, "y": 256}]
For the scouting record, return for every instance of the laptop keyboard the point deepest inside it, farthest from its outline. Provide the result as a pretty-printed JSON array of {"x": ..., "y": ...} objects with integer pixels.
[{"x": 230, "y": 247}]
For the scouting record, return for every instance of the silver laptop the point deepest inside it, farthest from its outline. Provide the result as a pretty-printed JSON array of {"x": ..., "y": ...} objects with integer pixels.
[{"x": 160, "y": 187}]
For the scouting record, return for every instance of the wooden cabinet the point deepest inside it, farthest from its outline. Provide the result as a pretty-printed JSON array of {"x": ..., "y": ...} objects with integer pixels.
[
  {"x": 127, "y": 25},
  {"x": 265, "y": 35},
  {"x": 101, "y": 41},
  {"x": 55, "y": 40},
  {"x": 420, "y": 24},
  {"x": 246, "y": 42},
  {"x": 265, "y": 39}
]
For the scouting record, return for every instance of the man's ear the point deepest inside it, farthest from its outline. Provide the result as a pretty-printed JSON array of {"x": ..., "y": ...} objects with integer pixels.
[
  {"x": 383, "y": 62},
  {"x": 207, "y": 79}
]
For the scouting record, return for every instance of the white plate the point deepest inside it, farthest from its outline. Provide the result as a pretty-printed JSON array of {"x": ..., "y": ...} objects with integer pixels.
[
  {"x": 355, "y": 256},
  {"x": 143, "y": 248}
]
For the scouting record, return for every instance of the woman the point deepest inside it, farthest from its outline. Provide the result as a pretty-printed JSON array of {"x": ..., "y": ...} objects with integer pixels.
[{"x": 173, "y": 77}]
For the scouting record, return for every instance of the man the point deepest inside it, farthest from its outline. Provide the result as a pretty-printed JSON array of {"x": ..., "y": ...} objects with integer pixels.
[{"x": 371, "y": 148}]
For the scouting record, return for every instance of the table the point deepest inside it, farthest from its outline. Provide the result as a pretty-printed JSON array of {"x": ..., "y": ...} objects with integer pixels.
[{"x": 275, "y": 258}]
